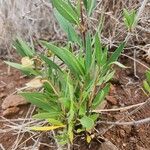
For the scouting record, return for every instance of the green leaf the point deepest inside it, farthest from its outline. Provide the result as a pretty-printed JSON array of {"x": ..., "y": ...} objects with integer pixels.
[
  {"x": 119, "y": 64},
  {"x": 91, "y": 5},
  {"x": 87, "y": 122},
  {"x": 66, "y": 11},
  {"x": 148, "y": 76},
  {"x": 47, "y": 115},
  {"x": 109, "y": 76},
  {"x": 98, "y": 49},
  {"x": 67, "y": 27},
  {"x": 104, "y": 56},
  {"x": 40, "y": 100},
  {"x": 88, "y": 56},
  {"x": 116, "y": 53},
  {"x": 50, "y": 62},
  {"x": 146, "y": 86},
  {"x": 130, "y": 18},
  {"x": 100, "y": 96},
  {"x": 85, "y": 2},
  {"x": 24, "y": 69},
  {"x": 67, "y": 57},
  {"x": 54, "y": 122},
  {"x": 23, "y": 49}
]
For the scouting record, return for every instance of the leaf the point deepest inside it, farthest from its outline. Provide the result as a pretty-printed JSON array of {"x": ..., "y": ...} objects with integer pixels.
[
  {"x": 85, "y": 2},
  {"x": 109, "y": 76},
  {"x": 119, "y": 64},
  {"x": 67, "y": 27},
  {"x": 66, "y": 11},
  {"x": 46, "y": 115},
  {"x": 87, "y": 122},
  {"x": 116, "y": 53},
  {"x": 46, "y": 128},
  {"x": 100, "y": 96},
  {"x": 88, "y": 56},
  {"x": 23, "y": 49},
  {"x": 104, "y": 56},
  {"x": 67, "y": 57},
  {"x": 50, "y": 62},
  {"x": 98, "y": 49},
  {"x": 91, "y": 5},
  {"x": 20, "y": 67},
  {"x": 146, "y": 86},
  {"x": 40, "y": 100},
  {"x": 148, "y": 76},
  {"x": 54, "y": 122}
]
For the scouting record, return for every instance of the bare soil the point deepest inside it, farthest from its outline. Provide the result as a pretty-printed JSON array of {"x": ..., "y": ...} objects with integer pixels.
[{"x": 126, "y": 90}]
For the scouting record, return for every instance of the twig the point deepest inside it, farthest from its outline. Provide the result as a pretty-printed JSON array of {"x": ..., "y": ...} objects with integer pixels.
[
  {"x": 1, "y": 146},
  {"x": 142, "y": 121},
  {"x": 126, "y": 116},
  {"x": 118, "y": 109}
]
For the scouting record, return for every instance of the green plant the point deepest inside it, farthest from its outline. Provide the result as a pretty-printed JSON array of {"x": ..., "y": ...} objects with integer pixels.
[
  {"x": 130, "y": 19},
  {"x": 68, "y": 93}
]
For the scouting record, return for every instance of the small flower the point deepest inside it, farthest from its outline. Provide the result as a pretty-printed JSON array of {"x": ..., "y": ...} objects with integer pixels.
[
  {"x": 27, "y": 62},
  {"x": 35, "y": 83}
]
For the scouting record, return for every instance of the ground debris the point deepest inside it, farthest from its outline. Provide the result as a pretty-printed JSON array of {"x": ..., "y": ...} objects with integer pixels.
[
  {"x": 11, "y": 111},
  {"x": 112, "y": 100},
  {"x": 13, "y": 101},
  {"x": 107, "y": 145}
]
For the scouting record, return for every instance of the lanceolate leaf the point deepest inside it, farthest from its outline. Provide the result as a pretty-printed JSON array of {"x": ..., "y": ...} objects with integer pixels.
[
  {"x": 116, "y": 53},
  {"x": 47, "y": 115},
  {"x": 146, "y": 86},
  {"x": 88, "y": 56},
  {"x": 40, "y": 100},
  {"x": 67, "y": 27},
  {"x": 46, "y": 128},
  {"x": 66, "y": 11},
  {"x": 67, "y": 57},
  {"x": 100, "y": 96},
  {"x": 85, "y": 4},
  {"x": 29, "y": 71},
  {"x": 98, "y": 49},
  {"x": 148, "y": 76},
  {"x": 50, "y": 62},
  {"x": 91, "y": 5},
  {"x": 23, "y": 49}
]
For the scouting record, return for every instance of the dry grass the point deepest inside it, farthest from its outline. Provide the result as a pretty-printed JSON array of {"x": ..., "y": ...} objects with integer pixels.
[{"x": 24, "y": 18}]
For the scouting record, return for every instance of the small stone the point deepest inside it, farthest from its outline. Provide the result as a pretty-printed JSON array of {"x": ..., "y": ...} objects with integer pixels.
[
  {"x": 13, "y": 101},
  {"x": 111, "y": 99},
  {"x": 108, "y": 146},
  {"x": 10, "y": 111}
]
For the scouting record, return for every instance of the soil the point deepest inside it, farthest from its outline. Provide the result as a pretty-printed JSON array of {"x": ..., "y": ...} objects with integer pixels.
[{"x": 126, "y": 90}]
